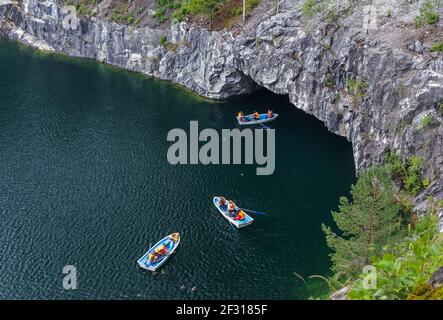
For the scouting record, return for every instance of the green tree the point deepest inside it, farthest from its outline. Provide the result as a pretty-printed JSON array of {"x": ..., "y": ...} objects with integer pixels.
[
  {"x": 366, "y": 223},
  {"x": 206, "y": 7}
]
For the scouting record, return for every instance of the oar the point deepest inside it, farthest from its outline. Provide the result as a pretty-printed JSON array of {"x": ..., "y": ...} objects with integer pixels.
[
  {"x": 267, "y": 128},
  {"x": 256, "y": 212},
  {"x": 255, "y": 122}
]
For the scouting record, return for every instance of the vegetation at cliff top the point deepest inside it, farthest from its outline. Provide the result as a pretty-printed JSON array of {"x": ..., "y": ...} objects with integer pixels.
[
  {"x": 312, "y": 7},
  {"x": 83, "y": 7},
  {"x": 207, "y": 9},
  {"x": 326, "y": 10},
  {"x": 120, "y": 13},
  {"x": 330, "y": 10},
  {"x": 224, "y": 13},
  {"x": 428, "y": 13}
]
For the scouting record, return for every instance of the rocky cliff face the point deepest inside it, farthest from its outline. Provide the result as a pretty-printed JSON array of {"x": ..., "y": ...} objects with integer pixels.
[
  {"x": 200, "y": 60},
  {"x": 366, "y": 72}
]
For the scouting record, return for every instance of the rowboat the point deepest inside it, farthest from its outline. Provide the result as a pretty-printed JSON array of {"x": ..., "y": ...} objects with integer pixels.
[
  {"x": 250, "y": 120},
  {"x": 170, "y": 245},
  {"x": 247, "y": 220}
]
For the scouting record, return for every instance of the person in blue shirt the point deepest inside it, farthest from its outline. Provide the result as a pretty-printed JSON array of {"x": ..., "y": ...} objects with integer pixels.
[
  {"x": 232, "y": 209},
  {"x": 222, "y": 203}
]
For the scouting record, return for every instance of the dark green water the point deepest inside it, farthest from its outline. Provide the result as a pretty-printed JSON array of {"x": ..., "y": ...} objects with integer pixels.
[{"x": 84, "y": 180}]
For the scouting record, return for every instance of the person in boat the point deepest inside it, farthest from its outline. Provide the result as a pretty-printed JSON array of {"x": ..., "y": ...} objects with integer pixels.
[
  {"x": 256, "y": 115},
  {"x": 240, "y": 216},
  {"x": 173, "y": 238},
  {"x": 241, "y": 117},
  {"x": 158, "y": 253},
  {"x": 152, "y": 258},
  {"x": 161, "y": 250},
  {"x": 232, "y": 209},
  {"x": 222, "y": 202},
  {"x": 270, "y": 114}
]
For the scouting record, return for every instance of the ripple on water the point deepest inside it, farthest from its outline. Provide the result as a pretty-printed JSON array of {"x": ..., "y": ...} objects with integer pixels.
[{"x": 85, "y": 181}]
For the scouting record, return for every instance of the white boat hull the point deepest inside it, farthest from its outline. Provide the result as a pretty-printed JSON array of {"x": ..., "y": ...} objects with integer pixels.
[
  {"x": 142, "y": 262},
  {"x": 239, "y": 224},
  {"x": 251, "y": 122}
]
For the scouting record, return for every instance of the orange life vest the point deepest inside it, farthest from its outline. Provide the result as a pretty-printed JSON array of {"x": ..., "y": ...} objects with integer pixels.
[{"x": 152, "y": 258}]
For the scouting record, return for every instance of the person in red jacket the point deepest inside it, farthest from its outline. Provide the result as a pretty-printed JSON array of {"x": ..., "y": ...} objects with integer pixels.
[
  {"x": 158, "y": 252},
  {"x": 241, "y": 215}
]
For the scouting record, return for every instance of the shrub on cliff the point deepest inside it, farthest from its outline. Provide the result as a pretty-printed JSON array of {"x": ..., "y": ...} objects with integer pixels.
[
  {"x": 311, "y": 7},
  {"x": 408, "y": 174},
  {"x": 357, "y": 89},
  {"x": 163, "y": 40},
  {"x": 205, "y": 7},
  {"x": 437, "y": 47},
  {"x": 83, "y": 7},
  {"x": 405, "y": 267},
  {"x": 413, "y": 180},
  {"x": 427, "y": 14}
]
